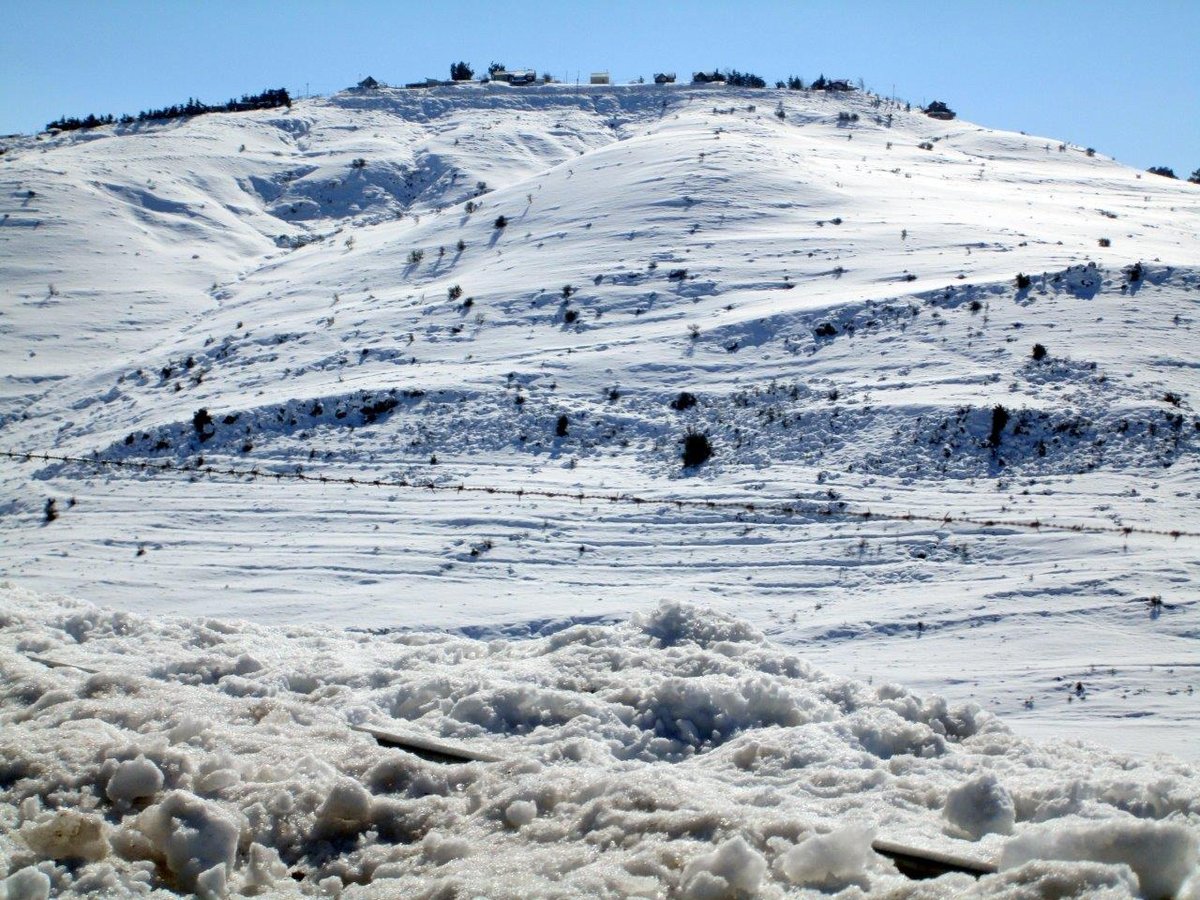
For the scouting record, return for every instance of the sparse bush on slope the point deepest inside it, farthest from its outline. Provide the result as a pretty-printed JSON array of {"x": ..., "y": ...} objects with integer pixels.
[
  {"x": 685, "y": 400},
  {"x": 204, "y": 425},
  {"x": 734, "y": 78},
  {"x": 696, "y": 449},
  {"x": 999, "y": 420}
]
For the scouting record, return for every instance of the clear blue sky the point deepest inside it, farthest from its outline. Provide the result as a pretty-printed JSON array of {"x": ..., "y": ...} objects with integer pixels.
[{"x": 1121, "y": 77}]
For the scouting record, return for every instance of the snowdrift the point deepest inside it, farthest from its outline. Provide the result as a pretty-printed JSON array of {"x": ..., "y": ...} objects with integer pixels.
[{"x": 680, "y": 753}]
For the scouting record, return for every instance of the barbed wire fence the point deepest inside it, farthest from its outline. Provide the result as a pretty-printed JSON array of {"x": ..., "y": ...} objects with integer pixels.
[{"x": 831, "y": 509}]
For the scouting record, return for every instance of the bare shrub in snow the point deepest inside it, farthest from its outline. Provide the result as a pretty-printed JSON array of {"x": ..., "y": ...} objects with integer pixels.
[
  {"x": 697, "y": 449},
  {"x": 203, "y": 424},
  {"x": 685, "y": 400},
  {"x": 999, "y": 420}
]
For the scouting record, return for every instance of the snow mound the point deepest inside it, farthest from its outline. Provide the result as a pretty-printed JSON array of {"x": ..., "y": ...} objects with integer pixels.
[
  {"x": 680, "y": 754},
  {"x": 841, "y": 857},
  {"x": 978, "y": 807},
  {"x": 732, "y": 869},
  {"x": 1165, "y": 856}
]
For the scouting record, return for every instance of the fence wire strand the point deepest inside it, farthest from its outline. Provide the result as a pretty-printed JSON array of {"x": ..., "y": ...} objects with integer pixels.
[{"x": 832, "y": 509}]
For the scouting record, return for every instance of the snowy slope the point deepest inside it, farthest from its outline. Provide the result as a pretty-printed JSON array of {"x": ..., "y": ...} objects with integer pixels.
[{"x": 846, "y": 319}]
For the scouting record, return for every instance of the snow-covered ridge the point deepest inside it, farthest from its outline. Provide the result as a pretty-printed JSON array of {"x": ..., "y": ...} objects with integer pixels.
[
  {"x": 326, "y": 288},
  {"x": 678, "y": 753},
  {"x": 682, "y": 158}
]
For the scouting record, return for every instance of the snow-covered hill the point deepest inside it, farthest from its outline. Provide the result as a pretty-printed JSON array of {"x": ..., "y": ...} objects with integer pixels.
[
  {"x": 831, "y": 278},
  {"x": 329, "y": 285}
]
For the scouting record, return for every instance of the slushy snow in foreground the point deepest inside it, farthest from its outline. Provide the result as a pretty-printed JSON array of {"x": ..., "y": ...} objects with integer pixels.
[{"x": 677, "y": 754}]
